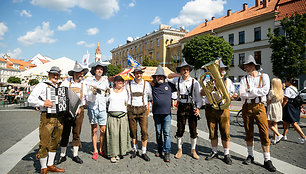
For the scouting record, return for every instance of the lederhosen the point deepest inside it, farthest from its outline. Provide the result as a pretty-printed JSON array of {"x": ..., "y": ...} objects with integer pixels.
[
  {"x": 138, "y": 113},
  {"x": 76, "y": 124},
  {"x": 257, "y": 111},
  {"x": 186, "y": 111},
  {"x": 217, "y": 118},
  {"x": 50, "y": 131}
]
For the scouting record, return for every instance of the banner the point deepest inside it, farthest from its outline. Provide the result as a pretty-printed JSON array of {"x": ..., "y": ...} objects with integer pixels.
[
  {"x": 131, "y": 62},
  {"x": 85, "y": 59}
]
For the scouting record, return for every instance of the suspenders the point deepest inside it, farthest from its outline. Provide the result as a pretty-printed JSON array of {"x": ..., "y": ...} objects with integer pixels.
[
  {"x": 178, "y": 89},
  {"x": 137, "y": 94},
  {"x": 77, "y": 90},
  {"x": 260, "y": 85}
]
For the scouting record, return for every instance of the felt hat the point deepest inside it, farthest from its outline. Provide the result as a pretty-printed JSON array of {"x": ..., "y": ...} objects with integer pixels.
[
  {"x": 78, "y": 68},
  {"x": 94, "y": 65},
  {"x": 250, "y": 59},
  {"x": 183, "y": 63},
  {"x": 159, "y": 72},
  {"x": 54, "y": 70}
]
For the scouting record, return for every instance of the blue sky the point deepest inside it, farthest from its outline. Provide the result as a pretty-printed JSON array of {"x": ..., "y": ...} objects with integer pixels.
[{"x": 68, "y": 28}]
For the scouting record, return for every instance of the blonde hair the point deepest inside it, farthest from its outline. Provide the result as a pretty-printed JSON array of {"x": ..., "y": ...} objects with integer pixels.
[{"x": 277, "y": 88}]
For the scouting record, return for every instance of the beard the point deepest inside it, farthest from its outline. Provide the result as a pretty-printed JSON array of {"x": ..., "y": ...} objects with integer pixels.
[{"x": 161, "y": 81}]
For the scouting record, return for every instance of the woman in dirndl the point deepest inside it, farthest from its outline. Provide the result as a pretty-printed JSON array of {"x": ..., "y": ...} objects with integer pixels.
[
  {"x": 117, "y": 129},
  {"x": 291, "y": 113}
]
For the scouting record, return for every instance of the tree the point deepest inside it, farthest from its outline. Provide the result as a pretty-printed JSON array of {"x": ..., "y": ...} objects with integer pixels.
[
  {"x": 148, "y": 61},
  {"x": 14, "y": 79},
  {"x": 113, "y": 70},
  {"x": 33, "y": 82},
  {"x": 203, "y": 49},
  {"x": 288, "y": 50}
]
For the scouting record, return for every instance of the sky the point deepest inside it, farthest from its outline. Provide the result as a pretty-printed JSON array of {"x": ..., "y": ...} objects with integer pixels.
[{"x": 68, "y": 28}]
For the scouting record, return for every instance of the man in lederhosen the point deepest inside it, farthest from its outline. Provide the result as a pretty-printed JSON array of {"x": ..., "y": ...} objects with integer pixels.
[
  {"x": 189, "y": 103},
  {"x": 138, "y": 93},
  {"x": 253, "y": 90},
  {"x": 51, "y": 125},
  {"x": 220, "y": 118},
  {"x": 76, "y": 85}
]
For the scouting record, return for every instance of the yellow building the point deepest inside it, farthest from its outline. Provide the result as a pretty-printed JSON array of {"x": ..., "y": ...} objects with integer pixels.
[{"x": 153, "y": 45}]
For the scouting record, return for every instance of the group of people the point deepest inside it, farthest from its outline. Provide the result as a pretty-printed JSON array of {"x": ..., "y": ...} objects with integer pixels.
[{"x": 118, "y": 109}]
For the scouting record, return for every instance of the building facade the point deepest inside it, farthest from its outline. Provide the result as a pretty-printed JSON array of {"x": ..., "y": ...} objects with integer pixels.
[{"x": 153, "y": 46}]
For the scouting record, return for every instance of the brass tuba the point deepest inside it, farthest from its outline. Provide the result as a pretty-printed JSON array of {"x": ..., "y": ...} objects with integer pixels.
[{"x": 215, "y": 89}]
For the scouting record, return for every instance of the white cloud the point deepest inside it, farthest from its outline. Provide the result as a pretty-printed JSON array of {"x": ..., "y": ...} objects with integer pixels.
[
  {"x": 17, "y": 1},
  {"x": 194, "y": 12},
  {"x": 83, "y": 43},
  {"x": 55, "y": 4},
  {"x": 103, "y": 8},
  {"x": 111, "y": 40},
  {"x": 3, "y": 29},
  {"x": 156, "y": 20},
  {"x": 15, "y": 54},
  {"x": 25, "y": 13},
  {"x": 67, "y": 26},
  {"x": 92, "y": 31},
  {"x": 132, "y": 4},
  {"x": 39, "y": 35},
  {"x": 2, "y": 45}
]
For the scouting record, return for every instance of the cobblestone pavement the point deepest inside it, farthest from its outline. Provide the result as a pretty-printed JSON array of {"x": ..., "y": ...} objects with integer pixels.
[{"x": 18, "y": 122}]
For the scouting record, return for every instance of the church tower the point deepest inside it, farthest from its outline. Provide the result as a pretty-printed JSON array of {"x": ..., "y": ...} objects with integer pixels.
[{"x": 98, "y": 54}]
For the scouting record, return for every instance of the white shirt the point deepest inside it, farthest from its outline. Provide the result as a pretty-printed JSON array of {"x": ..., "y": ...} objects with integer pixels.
[
  {"x": 66, "y": 83},
  {"x": 291, "y": 92},
  {"x": 254, "y": 91},
  {"x": 96, "y": 101},
  {"x": 138, "y": 87},
  {"x": 117, "y": 101},
  {"x": 38, "y": 96},
  {"x": 186, "y": 84}
]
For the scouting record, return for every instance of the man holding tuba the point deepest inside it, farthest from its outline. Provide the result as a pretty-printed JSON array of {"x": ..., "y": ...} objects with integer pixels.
[
  {"x": 189, "y": 103},
  {"x": 219, "y": 117},
  {"x": 253, "y": 90}
]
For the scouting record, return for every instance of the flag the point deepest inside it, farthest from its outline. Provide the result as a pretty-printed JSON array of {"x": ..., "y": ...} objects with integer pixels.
[
  {"x": 131, "y": 62},
  {"x": 85, "y": 59}
]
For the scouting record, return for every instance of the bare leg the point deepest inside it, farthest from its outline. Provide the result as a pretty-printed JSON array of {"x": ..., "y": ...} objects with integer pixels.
[
  {"x": 102, "y": 135},
  {"x": 225, "y": 144},
  {"x": 273, "y": 127},
  {"x": 94, "y": 137},
  {"x": 298, "y": 129},
  {"x": 286, "y": 127}
]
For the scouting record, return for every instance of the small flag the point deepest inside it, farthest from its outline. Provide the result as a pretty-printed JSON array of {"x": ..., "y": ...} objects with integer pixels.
[
  {"x": 131, "y": 62},
  {"x": 85, "y": 59}
]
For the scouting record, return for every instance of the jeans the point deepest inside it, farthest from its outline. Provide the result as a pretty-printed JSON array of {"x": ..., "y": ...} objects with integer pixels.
[{"x": 163, "y": 125}]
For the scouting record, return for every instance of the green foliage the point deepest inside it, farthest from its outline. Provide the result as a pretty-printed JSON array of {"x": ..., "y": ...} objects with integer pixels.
[
  {"x": 148, "y": 61},
  {"x": 288, "y": 51},
  {"x": 203, "y": 49},
  {"x": 33, "y": 82},
  {"x": 14, "y": 79},
  {"x": 113, "y": 70}
]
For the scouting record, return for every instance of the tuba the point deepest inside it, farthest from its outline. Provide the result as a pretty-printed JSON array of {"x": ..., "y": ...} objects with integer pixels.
[{"x": 215, "y": 89}]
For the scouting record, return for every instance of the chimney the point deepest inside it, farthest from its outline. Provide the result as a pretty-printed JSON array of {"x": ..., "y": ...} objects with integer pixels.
[
  {"x": 245, "y": 6},
  {"x": 206, "y": 20},
  {"x": 265, "y": 3},
  {"x": 257, "y": 2},
  {"x": 212, "y": 18},
  {"x": 229, "y": 12}
]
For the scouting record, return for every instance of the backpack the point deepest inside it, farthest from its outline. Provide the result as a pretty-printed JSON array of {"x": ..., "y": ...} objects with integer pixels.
[{"x": 297, "y": 101}]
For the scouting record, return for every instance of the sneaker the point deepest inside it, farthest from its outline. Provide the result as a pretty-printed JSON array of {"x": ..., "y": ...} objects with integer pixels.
[
  {"x": 167, "y": 157},
  {"x": 118, "y": 158},
  {"x": 278, "y": 138},
  {"x": 145, "y": 157},
  {"x": 227, "y": 159},
  {"x": 272, "y": 141},
  {"x": 95, "y": 156},
  {"x": 302, "y": 140},
  {"x": 212, "y": 155},
  {"x": 269, "y": 166},
  {"x": 285, "y": 137},
  {"x": 113, "y": 160},
  {"x": 248, "y": 160}
]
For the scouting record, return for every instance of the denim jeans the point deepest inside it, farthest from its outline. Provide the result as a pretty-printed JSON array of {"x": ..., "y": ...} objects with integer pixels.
[{"x": 162, "y": 126}]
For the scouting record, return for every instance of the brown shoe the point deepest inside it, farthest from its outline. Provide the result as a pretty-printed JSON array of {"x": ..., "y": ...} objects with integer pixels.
[
  {"x": 178, "y": 154},
  {"x": 44, "y": 171},
  {"x": 55, "y": 169},
  {"x": 194, "y": 154}
]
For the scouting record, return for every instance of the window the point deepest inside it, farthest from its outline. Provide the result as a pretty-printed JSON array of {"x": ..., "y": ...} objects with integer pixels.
[
  {"x": 151, "y": 44},
  {"x": 178, "y": 54},
  {"x": 157, "y": 42},
  {"x": 146, "y": 46},
  {"x": 232, "y": 61},
  {"x": 140, "y": 48},
  {"x": 241, "y": 58},
  {"x": 157, "y": 56},
  {"x": 241, "y": 37},
  {"x": 135, "y": 49},
  {"x": 257, "y": 34},
  {"x": 231, "y": 39},
  {"x": 257, "y": 56}
]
